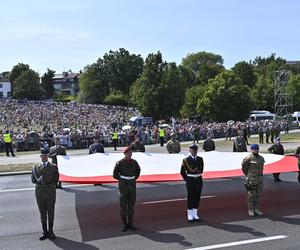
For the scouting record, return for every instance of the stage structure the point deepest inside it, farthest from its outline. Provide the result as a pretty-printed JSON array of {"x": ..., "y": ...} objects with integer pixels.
[{"x": 283, "y": 99}]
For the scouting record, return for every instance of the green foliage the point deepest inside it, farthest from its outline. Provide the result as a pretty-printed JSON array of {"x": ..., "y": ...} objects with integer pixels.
[
  {"x": 27, "y": 85},
  {"x": 246, "y": 72},
  {"x": 5, "y": 74},
  {"x": 47, "y": 83},
  {"x": 294, "y": 90},
  {"x": 60, "y": 97},
  {"x": 17, "y": 70},
  {"x": 225, "y": 98},
  {"x": 192, "y": 95},
  {"x": 204, "y": 66},
  {"x": 116, "y": 98},
  {"x": 93, "y": 90}
]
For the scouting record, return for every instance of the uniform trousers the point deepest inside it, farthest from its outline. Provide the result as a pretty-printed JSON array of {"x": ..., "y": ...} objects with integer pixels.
[
  {"x": 254, "y": 194},
  {"x": 45, "y": 198},
  {"x": 127, "y": 197},
  {"x": 194, "y": 189}
]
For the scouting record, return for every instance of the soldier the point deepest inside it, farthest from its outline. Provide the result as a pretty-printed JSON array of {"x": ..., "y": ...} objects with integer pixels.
[
  {"x": 298, "y": 156},
  {"x": 252, "y": 167},
  {"x": 191, "y": 172},
  {"x": 56, "y": 150},
  {"x": 261, "y": 134},
  {"x": 277, "y": 149},
  {"x": 245, "y": 135},
  {"x": 173, "y": 146},
  {"x": 196, "y": 134},
  {"x": 239, "y": 143},
  {"x": 209, "y": 144},
  {"x": 96, "y": 147},
  {"x": 45, "y": 175},
  {"x": 267, "y": 131},
  {"x": 137, "y": 146},
  {"x": 229, "y": 133},
  {"x": 126, "y": 171},
  {"x": 272, "y": 133}
]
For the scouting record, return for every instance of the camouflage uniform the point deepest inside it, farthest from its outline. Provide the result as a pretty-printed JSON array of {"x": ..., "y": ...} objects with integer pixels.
[
  {"x": 276, "y": 149},
  {"x": 173, "y": 146},
  {"x": 252, "y": 167},
  {"x": 137, "y": 147},
  {"x": 209, "y": 145}
]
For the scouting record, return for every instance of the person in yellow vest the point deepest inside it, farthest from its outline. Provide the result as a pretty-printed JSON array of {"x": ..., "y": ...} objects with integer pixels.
[
  {"x": 115, "y": 136},
  {"x": 161, "y": 132},
  {"x": 7, "y": 139}
]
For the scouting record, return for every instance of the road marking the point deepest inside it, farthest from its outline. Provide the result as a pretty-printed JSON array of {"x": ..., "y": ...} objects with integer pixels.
[
  {"x": 243, "y": 242},
  {"x": 179, "y": 199},
  {"x": 28, "y": 189}
]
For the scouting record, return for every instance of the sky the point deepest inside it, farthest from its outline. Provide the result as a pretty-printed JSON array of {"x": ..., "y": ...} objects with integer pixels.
[{"x": 70, "y": 34}]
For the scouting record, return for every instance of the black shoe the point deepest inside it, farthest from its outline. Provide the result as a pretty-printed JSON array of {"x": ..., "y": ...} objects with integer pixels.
[
  {"x": 132, "y": 227},
  {"x": 299, "y": 178},
  {"x": 125, "y": 228},
  {"x": 51, "y": 235},
  {"x": 44, "y": 236},
  {"x": 191, "y": 221}
]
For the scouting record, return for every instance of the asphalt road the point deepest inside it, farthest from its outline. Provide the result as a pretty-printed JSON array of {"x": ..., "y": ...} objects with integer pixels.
[{"x": 87, "y": 217}]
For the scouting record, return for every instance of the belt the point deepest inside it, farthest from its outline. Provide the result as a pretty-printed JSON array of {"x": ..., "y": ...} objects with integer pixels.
[
  {"x": 45, "y": 184},
  {"x": 193, "y": 175},
  {"x": 127, "y": 177}
]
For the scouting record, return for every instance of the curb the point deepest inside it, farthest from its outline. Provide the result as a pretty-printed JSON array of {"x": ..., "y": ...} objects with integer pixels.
[{"x": 14, "y": 173}]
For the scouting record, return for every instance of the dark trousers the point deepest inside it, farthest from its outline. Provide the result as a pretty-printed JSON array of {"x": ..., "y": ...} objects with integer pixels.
[
  {"x": 261, "y": 138},
  {"x": 127, "y": 197},
  {"x": 115, "y": 143},
  {"x": 161, "y": 140},
  {"x": 45, "y": 198},
  {"x": 8, "y": 148},
  {"x": 194, "y": 189}
]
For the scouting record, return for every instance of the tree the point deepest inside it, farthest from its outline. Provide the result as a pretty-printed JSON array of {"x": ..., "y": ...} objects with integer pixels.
[
  {"x": 47, "y": 83},
  {"x": 5, "y": 74},
  {"x": 204, "y": 66},
  {"x": 246, "y": 72},
  {"x": 294, "y": 90},
  {"x": 17, "y": 70},
  {"x": 93, "y": 89},
  {"x": 145, "y": 92},
  {"x": 192, "y": 95},
  {"x": 225, "y": 98},
  {"x": 27, "y": 85}
]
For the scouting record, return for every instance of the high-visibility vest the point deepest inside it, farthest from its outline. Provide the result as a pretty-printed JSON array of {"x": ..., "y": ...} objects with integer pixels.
[
  {"x": 115, "y": 136},
  {"x": 161, "y": 133},
  {"x": 7, "y": 138}
]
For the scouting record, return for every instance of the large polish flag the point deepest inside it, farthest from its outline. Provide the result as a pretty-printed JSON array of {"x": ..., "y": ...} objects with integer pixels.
[{"x": 98, "y": 168}]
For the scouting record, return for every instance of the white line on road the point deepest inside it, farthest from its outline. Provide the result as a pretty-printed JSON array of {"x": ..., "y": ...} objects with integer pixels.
[
  {"x": 28, "y": 189},
  {"x": 243, "y": 242},
  {"x": 179, "y": 199}
]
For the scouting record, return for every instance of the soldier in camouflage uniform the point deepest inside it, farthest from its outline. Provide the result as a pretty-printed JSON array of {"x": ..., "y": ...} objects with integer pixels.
[
  {"x": 239, "y": 143},
  {"x": 173, "y": 146},
  {"x": 45, "y": 176},
  {"x": 126, "y": 172},
  {"x": 137, "y": 146},
  {"x": 252, "y": 167},
  {"x": 209, "y": 144},
  {"x": 298, "y": 156}
]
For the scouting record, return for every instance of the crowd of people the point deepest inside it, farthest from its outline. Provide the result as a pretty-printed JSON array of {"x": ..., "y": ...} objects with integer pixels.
[{"x": 35, "y": 123}]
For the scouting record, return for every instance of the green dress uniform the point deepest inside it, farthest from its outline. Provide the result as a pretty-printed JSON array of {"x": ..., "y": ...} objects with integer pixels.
[
  {"x": 45, "y": 176},
  {"x": 54, "y": 152},
  {"x": 252, "y": 167},
  {"x": 173, "y": 146},
  {"x": 126, "y": 172}
]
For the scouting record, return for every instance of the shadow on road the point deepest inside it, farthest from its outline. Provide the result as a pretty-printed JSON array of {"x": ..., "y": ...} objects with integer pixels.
[
  {"x": 67, "y": 244},
  {"x": 98, "y": 210}
]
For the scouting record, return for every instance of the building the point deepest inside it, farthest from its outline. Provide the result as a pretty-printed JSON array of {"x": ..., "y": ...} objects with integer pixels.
[
  {"x": 5, "y": 87},
  {"x": 66, "y": 83}
]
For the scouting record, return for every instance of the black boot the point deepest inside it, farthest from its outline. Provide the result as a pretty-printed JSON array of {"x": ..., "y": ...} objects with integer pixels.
[
  {"x": 130, "y": 224},
  {"x": 299, "y": 177},
  {"x": 125, "y": 224},
  {"x": 51, "y": 234},
  {"x": 44, "y": 235}
]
